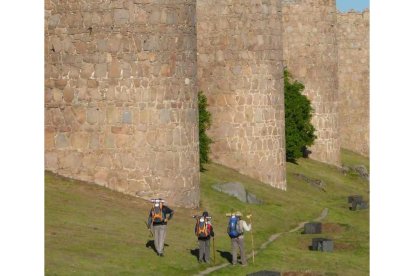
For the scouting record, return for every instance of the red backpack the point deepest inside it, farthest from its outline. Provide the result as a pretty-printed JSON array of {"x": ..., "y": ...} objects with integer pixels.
[{"x": 202, "y": 228}]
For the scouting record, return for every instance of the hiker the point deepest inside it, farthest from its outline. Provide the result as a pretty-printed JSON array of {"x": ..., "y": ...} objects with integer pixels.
[
  {"x": 157, "y": 220},
  {"x": 235, "y": 229},
  {"x": 204, "y": 230}
]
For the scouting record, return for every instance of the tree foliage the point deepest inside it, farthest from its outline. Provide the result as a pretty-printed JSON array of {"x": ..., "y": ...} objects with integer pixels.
[
  {"x": 298, "y": 114},
  {"x": 204, "y": 122}
]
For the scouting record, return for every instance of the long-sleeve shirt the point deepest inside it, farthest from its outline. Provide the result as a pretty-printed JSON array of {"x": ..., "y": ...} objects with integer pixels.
[
  {"x": 245, "y": 226},
  {"x": 165, "y": 211}
]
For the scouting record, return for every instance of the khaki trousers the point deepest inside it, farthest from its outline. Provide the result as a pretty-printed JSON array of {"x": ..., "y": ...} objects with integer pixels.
[
  {"x": 160, "y": 231},
  {"x": 238, "y": 243}
]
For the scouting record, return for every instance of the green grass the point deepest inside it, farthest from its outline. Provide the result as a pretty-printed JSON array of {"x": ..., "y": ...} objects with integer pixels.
[{"x": 92, "y": 230}]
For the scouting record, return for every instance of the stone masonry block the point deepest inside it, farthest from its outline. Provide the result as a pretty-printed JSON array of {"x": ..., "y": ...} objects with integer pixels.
[
  {"x": 62, "y": 141},
  {"x": 114, "y": 69},
  {"x": 49, "y": 140},
  {"x": 94, "y": 141},
  {"x": 92, "y": 115},
  {"x": 87, "y": 70},
  {"x": 101, "y": 177},
  {"x": 70, "y": 160},
  {"x": 79, "y": 140},
  {"x": 51, "y": 161},
  {"x": 127, "y": 117},
  {"x": 121, "y": 16},
  {"x": 68, "y": 94},
  {"x": 101, "y": 70}
]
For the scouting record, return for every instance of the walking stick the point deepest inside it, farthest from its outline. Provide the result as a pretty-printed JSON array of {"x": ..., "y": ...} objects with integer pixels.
[
  {"x": 152, "y": 235},
  {"x": 214, "y": 253},
  {"x": 250, "y": 218}
]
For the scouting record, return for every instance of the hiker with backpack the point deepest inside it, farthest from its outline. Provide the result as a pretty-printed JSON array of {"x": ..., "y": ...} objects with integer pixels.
[
  {"x": 158, "y": 217},
  {"x": 203, "y": 230},
  {"x": 235, "y": 229}
]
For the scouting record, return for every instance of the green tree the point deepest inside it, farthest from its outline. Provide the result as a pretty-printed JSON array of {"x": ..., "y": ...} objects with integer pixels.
[
  {"x": 300, "y": 133},
  {"x": 204, "y": 122}
]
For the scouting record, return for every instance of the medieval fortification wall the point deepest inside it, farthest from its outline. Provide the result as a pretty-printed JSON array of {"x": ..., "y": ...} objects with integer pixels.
[
  {"x": 239, "y": 45},
  {"x": 120, "y": 96},
  {"x": 122, "y": 76},
  {"x": 353, "y": 75},
  {"x": 311, "y": 55}
]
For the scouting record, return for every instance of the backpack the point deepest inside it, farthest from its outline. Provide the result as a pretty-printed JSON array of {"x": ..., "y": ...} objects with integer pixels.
[
  {"x": 202, "y": 229},
  {"x": 157, "y": 214},
  {"x": 233, "y": 229}
]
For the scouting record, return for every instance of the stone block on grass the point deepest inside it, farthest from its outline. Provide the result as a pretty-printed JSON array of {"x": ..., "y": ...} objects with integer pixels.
[
  {"x": 237, "y": 190},
  {"x": 313, "y": 228},
  {"x": 322, "y": 244},
  {"x": 357, "y": 202}
]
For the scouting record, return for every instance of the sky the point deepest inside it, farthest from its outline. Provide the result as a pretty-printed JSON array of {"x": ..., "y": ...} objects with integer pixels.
[{"x": 346, "y": 5}]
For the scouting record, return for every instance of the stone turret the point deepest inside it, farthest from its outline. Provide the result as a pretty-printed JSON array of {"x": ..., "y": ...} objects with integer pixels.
[
  {"x": 311, "y": 55},
  {"x": 120, "y": 96},
  {"x": 240, "y": 69},
  {"x": 353, "y": 74}
]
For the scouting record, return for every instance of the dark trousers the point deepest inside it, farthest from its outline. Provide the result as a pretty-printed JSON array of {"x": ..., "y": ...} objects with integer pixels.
[
  {"x": 238, "y": 243},
  {"x": 204, "y": 250}
]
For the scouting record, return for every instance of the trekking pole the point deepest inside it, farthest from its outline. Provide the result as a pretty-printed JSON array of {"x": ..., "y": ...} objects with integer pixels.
[
  {"x": 250, "y": 218},
  {"x": 149, "y": 229},
  {"x": 214, "y": 253}
]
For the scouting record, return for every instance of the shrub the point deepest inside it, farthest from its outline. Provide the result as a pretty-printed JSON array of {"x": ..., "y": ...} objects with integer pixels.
[
  {"x": 204, "y": 122},
  {"x": 298, "y": 113}
]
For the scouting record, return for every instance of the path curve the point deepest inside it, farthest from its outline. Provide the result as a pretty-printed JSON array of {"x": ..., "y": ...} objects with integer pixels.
[{"x": 265, "y": 244}]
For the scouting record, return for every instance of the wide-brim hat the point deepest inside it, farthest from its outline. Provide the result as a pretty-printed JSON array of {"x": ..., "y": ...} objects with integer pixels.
[{"x": 238, "y": 214}]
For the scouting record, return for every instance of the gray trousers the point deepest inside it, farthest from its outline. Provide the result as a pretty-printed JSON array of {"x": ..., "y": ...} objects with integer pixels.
[
  {"x": 238, "y": 243},
  {"x": 204, "y": 250},
  {"x": 159, "y": 237}
]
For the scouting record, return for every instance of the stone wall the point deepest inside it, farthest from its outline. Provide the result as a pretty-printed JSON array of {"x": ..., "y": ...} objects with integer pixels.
[
  {"x": 310, "y": 53},
  {"x": 120, "y": 96},
  {"x": 240, "y": 69},
  {"x": 353, "y": 75}
]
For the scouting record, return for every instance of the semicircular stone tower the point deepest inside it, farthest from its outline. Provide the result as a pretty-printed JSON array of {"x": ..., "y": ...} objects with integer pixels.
[
  {"x": 353, "y": 76},
  {"x": 240, "y": 70},
  {"x": 120, "y": 96},
  {"x": 311, "y": 55}
]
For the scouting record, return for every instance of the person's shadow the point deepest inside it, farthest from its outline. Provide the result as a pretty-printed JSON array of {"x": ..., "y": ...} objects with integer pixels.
[
  {"x": 195, "y": 252},
  {"x": 151, "y": 244},
  {"x": 226, "y": 255}
]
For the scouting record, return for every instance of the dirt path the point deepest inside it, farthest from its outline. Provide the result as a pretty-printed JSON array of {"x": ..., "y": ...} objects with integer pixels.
[{"x": 265, "y": 244}]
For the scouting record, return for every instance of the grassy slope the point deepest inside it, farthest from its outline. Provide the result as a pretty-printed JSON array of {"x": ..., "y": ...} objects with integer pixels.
[{"x": 91, "y": 230}]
